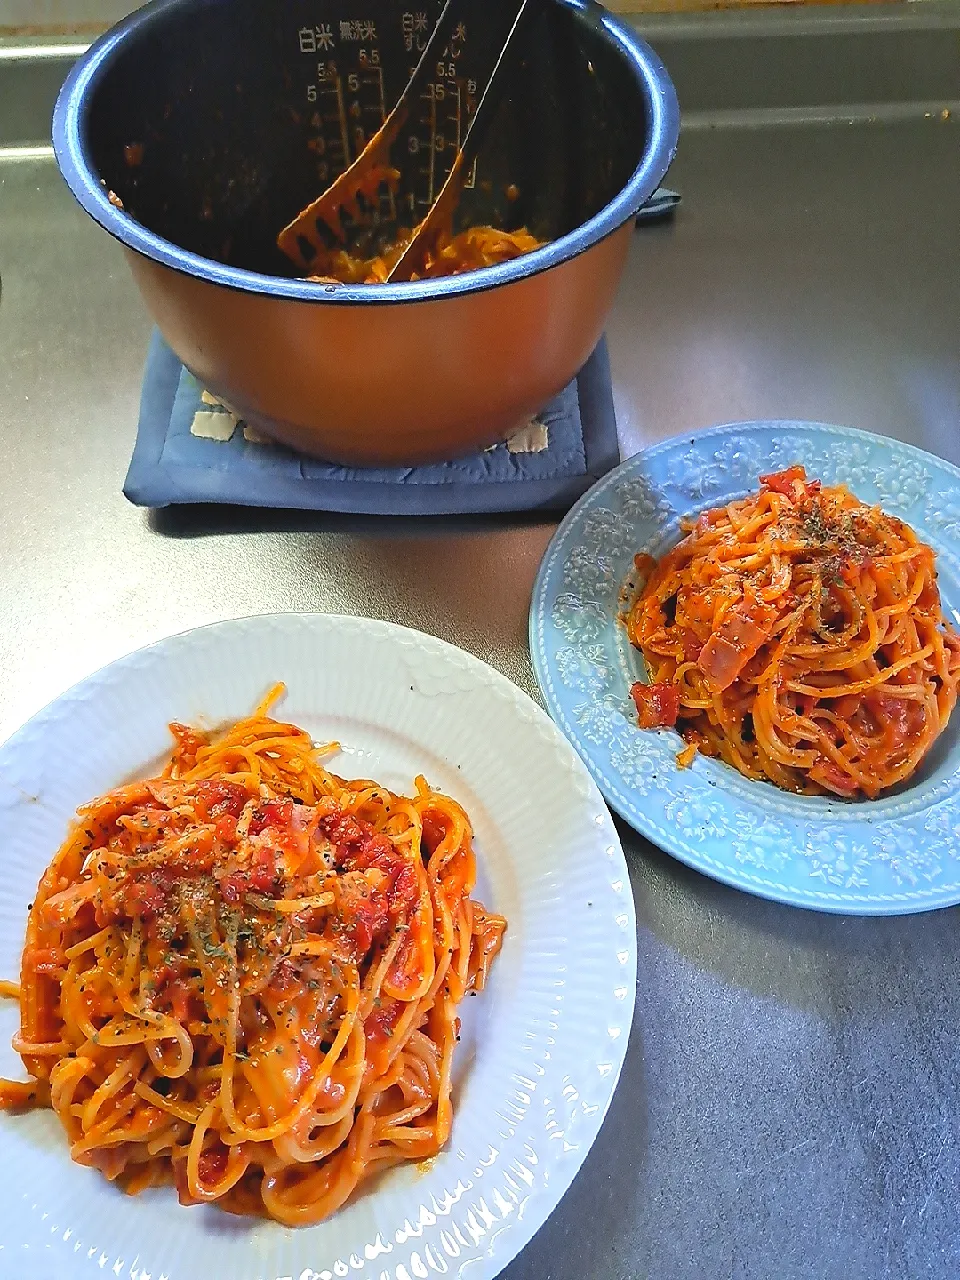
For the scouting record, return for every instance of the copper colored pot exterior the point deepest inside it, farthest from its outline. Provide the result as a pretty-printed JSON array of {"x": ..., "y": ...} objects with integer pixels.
[{"x": 394, "y": 383}]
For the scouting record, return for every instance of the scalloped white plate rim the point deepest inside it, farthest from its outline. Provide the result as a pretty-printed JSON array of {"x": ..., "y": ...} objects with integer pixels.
[
  {"x": 437, "y": 1242},
  {"x": 633, "y": 813}
]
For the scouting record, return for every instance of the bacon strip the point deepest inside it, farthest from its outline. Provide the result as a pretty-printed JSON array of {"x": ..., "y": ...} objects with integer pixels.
[
  {"x": 658, "y": 705},
  {"x": 744, "y": 629}
]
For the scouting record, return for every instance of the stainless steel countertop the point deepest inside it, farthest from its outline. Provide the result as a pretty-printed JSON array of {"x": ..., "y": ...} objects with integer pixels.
[{"x": 789, "y": 1105}]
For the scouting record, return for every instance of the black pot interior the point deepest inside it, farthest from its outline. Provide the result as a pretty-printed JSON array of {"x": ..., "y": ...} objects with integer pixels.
[{"x": 217, "y": 121}]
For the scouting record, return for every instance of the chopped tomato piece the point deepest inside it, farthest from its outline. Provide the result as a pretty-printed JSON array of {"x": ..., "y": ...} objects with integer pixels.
[
  {"x": 260, "y": 876},
  {"x": 216, "y": 798},
  {"x": 658, "y": 705},
  {"x": 272, "y": 813},
  {"x": 359, "y": 847},
  {"x": 744, "y": 629},
  {"x": 379, "y": 1024},
  {"x": 144, "y": 898},
  {"x": 212, "y": 1166},
  {"x": 226, "y": 828},
  {"x": 403, "y": 892},
  {"x": 264, "y": 873},
  {"x": 365, "y": 913},
  {"x": 340, "y": 829},
  {"x": 786, "y": 482}
]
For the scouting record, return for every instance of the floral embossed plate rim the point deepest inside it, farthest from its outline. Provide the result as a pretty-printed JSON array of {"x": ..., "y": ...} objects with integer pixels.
[{"x": 890, "y": 856}]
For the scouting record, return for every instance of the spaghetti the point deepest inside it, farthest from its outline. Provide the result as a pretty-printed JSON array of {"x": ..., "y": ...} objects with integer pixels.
[
  {"x": 243, "y": 975},
  {"x": 798, "y": 635},
  {"x": 469, "y": 250}
]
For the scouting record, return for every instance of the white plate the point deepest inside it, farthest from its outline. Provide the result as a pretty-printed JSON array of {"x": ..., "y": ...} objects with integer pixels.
[{"x": 542, "y": 1047}]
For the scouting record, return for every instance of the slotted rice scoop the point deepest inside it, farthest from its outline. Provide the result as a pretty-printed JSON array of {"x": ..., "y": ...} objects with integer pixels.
[{"x": 307, "y": 235}]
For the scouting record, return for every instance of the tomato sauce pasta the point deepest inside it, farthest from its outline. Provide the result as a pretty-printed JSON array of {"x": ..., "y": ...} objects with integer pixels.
[
  {"x": 469, "y": 250},
  {"x": 243, "y": 975},
  {"x": 798, "y": 635}
]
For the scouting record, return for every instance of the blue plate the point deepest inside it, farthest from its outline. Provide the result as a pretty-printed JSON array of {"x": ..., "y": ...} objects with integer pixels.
[{"x": 897, "y": 854}]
